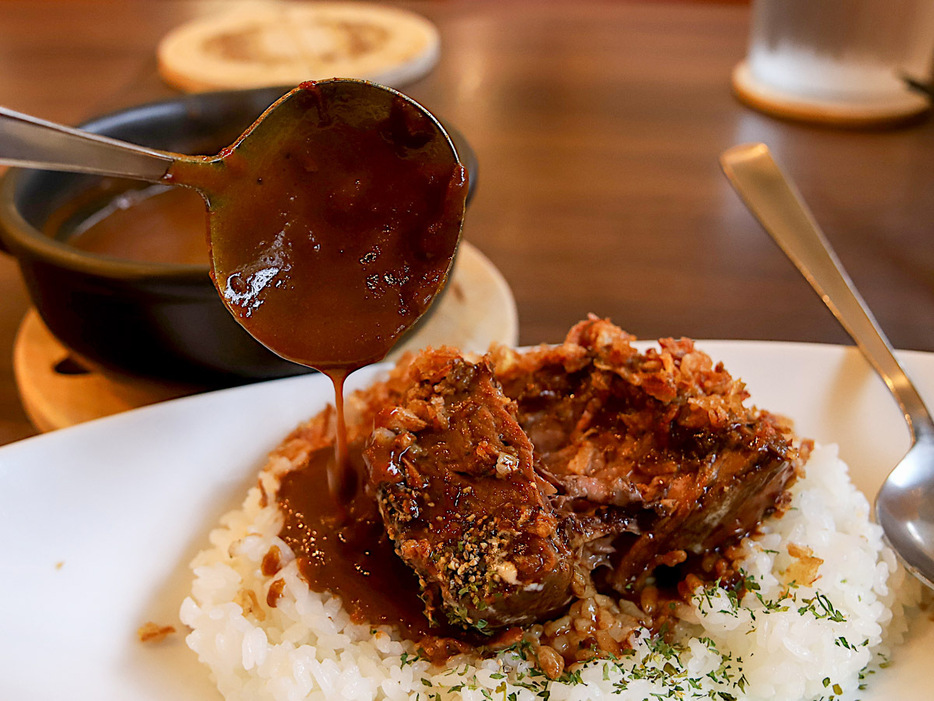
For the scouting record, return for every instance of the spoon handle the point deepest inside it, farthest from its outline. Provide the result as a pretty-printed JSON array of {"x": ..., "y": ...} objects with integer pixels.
[
  {"x": 778, "y": 206},
  {"x": 35, "y": 143}
]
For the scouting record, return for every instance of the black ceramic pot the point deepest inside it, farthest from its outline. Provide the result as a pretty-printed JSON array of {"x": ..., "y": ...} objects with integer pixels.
[{"x": 151, "y": 319}]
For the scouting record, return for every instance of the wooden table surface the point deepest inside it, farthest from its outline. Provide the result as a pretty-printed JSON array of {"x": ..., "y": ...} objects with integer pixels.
[{"x": 597, "y": 126}]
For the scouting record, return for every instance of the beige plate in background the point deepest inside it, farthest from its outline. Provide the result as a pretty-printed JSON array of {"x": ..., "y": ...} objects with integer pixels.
[{"x": 285, "y": 43}]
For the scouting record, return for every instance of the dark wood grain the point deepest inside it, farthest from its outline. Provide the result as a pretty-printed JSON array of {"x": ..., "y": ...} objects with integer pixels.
[{"x": 597, "y": 126}]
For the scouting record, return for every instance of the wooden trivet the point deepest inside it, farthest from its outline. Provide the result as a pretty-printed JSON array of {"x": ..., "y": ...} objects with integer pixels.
[{"x": 57, "y": 390}]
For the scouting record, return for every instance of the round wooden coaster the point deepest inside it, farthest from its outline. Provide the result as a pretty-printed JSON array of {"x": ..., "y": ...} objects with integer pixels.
[
  {"x": 286, "y": 43},
  {"x": 57, "y": 390},
  {"x": 907, "y": 106}
]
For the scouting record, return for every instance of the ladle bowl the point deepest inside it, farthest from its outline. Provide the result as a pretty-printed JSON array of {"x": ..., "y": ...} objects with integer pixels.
[{"x": 904, "y": 506}]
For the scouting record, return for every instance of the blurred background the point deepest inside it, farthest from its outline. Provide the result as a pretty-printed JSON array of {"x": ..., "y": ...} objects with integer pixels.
[{"x": 597, "y": 126}]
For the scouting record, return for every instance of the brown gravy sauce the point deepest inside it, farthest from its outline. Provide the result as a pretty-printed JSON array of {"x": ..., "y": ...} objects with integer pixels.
[
  {"x": 331, "y": 231},
  {"x": 152, "y": 225},
  {"x": 344, "y": 548}
]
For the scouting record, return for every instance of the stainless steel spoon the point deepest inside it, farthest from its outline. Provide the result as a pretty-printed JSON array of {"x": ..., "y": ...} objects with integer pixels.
[
  {"x": 904, "y": 506},
  {"x": 344, "y": 197},
  {"x": 31, "y": 142}
]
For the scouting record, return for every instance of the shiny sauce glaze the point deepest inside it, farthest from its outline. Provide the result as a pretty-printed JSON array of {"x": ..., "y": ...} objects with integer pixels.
[
  {"x": 343, "y": 547},
  {"x": 151, "y": 225}
]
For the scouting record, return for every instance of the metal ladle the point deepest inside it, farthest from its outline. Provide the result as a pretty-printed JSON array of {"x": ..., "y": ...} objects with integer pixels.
[
  {"x": 290, "y": 203},
  {"x": 904, "y": 506}
]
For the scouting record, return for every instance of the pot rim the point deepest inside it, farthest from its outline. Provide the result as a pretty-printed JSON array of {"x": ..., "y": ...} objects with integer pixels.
[{"x": 20, "y": 234}]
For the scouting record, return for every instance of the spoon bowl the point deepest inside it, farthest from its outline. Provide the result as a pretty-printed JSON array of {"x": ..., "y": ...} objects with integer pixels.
[
  {"x": 905, "y": 509},
  {"x": 904, "y": 506}
]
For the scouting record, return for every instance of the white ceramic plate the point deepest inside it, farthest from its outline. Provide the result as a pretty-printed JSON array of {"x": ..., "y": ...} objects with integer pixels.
[{"x": 99, "y": 521}]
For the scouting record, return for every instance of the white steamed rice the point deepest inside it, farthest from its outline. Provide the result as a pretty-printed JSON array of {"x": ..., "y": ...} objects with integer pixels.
[{"x": 780, "y": 642}]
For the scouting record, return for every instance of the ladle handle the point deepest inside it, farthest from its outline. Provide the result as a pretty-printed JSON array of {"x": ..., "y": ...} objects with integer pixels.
[
  {"x": 35, "y": 143},
  {"x": 778, "y": 206}
]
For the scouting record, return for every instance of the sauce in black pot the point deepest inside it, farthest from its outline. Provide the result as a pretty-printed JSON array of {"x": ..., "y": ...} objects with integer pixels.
[{"x": 151, "y": 225}]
